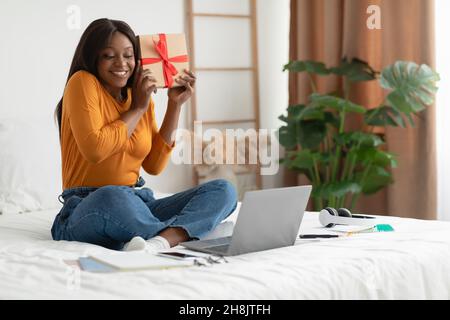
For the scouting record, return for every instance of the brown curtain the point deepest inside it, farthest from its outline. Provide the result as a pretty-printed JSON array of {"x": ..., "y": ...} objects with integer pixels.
[{"x": 327, "y": 30}]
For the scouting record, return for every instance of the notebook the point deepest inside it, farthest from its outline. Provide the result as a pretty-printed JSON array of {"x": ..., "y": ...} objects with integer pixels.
[
  {"x": 138, "y": 260},
  {"x": 88, "y": 264}
]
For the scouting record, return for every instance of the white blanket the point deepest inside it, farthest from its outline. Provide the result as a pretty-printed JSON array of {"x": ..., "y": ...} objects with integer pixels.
[{"x": 411, "y": 263}]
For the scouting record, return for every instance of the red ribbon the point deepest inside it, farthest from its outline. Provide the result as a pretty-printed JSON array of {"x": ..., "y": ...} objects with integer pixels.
[{"x": 168, "y": 68}]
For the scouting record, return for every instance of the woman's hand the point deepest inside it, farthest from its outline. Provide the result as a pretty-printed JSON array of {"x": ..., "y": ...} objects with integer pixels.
[
  {"x": 143, "y": 86},
  {"x": 180, "y": 95}
]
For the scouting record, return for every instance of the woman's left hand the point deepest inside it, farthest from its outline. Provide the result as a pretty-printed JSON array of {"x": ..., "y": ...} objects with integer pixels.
[{"x": 180, "y": 95}]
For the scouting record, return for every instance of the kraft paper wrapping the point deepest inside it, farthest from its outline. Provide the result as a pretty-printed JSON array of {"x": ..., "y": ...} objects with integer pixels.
[{"x": 176, "y": 46}]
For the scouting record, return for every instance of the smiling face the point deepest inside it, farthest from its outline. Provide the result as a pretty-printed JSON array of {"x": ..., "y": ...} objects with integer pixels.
[{"x": 116, "y": 64}]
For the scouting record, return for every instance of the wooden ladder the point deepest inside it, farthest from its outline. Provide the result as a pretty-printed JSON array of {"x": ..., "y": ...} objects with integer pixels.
[{"x": 253, "y": 69}]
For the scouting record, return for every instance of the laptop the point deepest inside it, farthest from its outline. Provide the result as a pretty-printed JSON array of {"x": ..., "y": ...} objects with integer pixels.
[{"x": 268, "y": 219}]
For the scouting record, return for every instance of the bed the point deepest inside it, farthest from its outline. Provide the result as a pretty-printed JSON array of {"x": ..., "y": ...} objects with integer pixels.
[{"x": 411, "y": 263}]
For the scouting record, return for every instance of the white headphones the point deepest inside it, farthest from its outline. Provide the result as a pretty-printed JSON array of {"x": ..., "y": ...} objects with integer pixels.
[{"x": 329, "y": 217}]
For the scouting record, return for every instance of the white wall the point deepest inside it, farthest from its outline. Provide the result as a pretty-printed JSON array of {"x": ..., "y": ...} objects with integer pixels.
[
  {"x": 273, "y": 50},
  {"x": 443, "y": 107},
  {"x": 37, "y": 49}
]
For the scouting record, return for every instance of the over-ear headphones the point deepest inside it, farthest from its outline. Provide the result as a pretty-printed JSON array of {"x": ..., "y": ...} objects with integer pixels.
[{"x": 329, "y": 217}]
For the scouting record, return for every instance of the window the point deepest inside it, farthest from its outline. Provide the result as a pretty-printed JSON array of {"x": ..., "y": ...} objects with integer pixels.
[{"x": 443, "y": 107}]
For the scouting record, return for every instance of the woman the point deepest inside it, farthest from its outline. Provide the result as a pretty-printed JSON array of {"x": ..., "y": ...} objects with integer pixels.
[{"x": 108, "y": 131}]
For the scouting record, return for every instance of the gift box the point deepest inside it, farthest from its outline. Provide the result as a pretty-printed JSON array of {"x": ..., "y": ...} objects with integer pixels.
[{"x": 165, "y": 55}]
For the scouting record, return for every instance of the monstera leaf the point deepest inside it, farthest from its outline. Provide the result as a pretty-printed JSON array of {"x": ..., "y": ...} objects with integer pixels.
[
  {"x": 336, "y": 103},
  {"x": 308, "y": 66},
  {"x": 336, "y": 189},
  {"x": 355, "y": 70},
  {"x": 349, "y": 139},
  {"x": 413, "y": 86},
  {"x": 384, "y": 116},
  {"x": 376, "y": 179}
]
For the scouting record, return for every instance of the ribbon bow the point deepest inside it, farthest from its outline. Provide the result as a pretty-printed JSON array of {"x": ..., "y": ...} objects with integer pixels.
[{"x": 169, "y": 69}]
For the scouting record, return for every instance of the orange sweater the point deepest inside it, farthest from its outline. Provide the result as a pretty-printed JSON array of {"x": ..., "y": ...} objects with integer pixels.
[{"x": 95, "y": 150}]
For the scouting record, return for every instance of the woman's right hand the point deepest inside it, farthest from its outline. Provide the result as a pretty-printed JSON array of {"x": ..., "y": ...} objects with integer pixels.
[{"x": 143, "y": 86}]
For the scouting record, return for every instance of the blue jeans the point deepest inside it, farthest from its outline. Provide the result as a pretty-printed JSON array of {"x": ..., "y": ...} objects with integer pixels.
[{"x": 110, "y": 216}]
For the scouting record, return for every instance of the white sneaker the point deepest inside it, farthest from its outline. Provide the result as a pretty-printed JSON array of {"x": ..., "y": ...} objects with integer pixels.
[{"x": 152, "y": 245}]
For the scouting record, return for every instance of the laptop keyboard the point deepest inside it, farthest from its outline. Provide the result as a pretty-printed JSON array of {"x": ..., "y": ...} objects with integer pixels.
[
  {"x": 221, "y": 249},
  {"x": 203, "y": 244},
  {"x": 216, "y": 242}
]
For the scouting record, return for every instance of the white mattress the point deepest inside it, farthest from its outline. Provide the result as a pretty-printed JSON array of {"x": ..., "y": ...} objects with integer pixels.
[{"x": 411, "y": 263}]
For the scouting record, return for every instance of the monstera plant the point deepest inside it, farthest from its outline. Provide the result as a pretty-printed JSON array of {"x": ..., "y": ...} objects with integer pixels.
[{"x": 341, "y": 164}]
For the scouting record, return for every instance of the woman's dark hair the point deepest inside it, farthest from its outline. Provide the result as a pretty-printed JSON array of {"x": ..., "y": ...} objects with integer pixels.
[{"x": 95, "y": 38}]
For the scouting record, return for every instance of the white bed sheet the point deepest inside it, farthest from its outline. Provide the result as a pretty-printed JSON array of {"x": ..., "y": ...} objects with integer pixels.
[{"x": 411, "y": 263}]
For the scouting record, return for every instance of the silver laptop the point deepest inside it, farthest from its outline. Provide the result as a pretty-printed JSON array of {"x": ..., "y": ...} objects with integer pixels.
[{"x": 268, "y": 219}]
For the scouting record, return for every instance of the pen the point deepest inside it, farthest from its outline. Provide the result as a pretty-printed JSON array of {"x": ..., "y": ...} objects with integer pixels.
[{"x": 313, "y": 236}]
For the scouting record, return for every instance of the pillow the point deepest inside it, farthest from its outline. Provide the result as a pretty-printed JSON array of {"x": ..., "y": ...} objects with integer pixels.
[
  {"x": 30, "y": 162},
  {"x": 30, "y": 174}
]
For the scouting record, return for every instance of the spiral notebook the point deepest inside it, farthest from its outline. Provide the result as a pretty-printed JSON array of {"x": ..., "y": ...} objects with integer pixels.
[{"x": 138, "y": 260}]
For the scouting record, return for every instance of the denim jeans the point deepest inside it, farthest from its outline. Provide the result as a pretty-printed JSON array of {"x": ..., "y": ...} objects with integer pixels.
[{"x": 110, "y": 216}]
